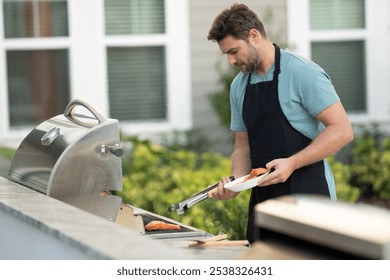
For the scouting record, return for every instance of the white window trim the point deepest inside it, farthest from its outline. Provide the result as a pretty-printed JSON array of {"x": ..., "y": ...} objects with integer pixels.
[
  {"x": 4, "y": 112},
  {"x": 376, "y": 36},
  {"x": 87, "y": 45}
]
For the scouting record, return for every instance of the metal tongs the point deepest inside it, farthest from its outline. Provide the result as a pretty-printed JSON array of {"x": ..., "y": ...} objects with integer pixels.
[{"x": 183, "y": 206}]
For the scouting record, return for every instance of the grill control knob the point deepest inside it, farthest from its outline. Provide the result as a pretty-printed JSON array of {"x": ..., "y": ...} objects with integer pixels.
[{"x": 116, "y": 150}]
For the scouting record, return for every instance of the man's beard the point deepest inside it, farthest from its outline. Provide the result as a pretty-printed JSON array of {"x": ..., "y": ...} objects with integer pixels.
[{"x": 253, "y": 59}]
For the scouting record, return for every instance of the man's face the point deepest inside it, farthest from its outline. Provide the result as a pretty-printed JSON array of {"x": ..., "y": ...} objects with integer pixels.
[{"x": 240, "y": 53}]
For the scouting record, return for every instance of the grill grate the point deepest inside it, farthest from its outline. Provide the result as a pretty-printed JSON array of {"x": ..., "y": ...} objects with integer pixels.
[{"x": 149, "y": 218}]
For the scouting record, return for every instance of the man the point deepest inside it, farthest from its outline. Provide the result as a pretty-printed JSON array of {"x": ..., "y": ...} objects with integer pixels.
[{"x": 286, "y": 114}]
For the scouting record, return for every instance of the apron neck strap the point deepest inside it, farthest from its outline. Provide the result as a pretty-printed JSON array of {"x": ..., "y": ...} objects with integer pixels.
[
  {"x": 277, "y": 65},
  {"x": 277, "y": 61}
]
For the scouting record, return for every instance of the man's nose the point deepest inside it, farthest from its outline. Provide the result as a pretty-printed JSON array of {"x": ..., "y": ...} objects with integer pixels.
[{"x": 232, "y": 59}]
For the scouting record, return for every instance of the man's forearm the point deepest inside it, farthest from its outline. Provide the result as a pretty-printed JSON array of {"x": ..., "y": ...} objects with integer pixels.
[
  {"x": 328, "y": 142},
  {"x": 337, "y": 133},
  {"x": 241, "y": 164}
]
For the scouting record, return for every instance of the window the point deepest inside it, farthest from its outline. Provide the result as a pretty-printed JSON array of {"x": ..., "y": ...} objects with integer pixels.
[
  {"x": 136, "y": 75},
  {"x": 337, "y": 14},
  {"x": 37, "y": 85},
  {"x": 35, "y": 18},
  {"x": 344, "y": 62},
  {"x": 134, "y": 17},
  {"x": 38, "y": 80},
  {"x": 136, "y": 78}
]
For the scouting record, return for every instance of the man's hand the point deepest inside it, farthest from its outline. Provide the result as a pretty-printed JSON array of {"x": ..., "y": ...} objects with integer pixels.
[
  {"x": 222, "y": 193},
  {"x": 284, "y": 167}
]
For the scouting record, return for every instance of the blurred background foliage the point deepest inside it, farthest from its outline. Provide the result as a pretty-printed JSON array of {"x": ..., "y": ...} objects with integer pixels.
[
  {"x": 7, "y": 153},
  {"x": 370, "y": 163}
]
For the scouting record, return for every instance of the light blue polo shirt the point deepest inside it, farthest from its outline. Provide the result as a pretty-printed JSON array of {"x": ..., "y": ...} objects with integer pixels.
[{"x": 305, "y": 90}]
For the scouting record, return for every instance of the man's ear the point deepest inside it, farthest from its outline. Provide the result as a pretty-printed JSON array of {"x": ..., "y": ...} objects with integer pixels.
[{"x": 254, "y": 35}]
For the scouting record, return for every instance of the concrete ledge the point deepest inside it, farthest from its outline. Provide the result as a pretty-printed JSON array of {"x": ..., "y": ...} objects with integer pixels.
[{"x": 36, "y": 226}]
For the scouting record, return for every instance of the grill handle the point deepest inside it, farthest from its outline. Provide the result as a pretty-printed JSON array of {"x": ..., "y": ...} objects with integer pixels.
[{"x": 78, "y": 102}]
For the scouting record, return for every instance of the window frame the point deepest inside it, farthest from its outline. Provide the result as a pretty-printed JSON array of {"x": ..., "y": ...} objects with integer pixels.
[
  {"x": 376, "y": 42},
  {"x": 87, "y": 45}
]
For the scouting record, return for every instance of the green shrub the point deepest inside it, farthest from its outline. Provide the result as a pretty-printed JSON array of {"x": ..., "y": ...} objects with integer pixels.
[
  {"x": 220, "y": 99},
  {"x": 370, "y": 165},
  {"x": 342, "y": 176},
  {"x": 7, "y": 153}
]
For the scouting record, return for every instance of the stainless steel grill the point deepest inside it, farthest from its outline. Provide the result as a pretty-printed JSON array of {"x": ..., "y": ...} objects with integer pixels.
[
  {"x": 76, "y": 158},
  {"x": 73, "y": 159}
]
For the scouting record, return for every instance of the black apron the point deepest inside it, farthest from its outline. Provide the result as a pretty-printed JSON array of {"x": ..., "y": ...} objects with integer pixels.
[{"x": 271, "y": 136}]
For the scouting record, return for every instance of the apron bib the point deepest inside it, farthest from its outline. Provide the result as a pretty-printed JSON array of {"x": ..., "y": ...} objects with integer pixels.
[{"x": 271, "y": 136}]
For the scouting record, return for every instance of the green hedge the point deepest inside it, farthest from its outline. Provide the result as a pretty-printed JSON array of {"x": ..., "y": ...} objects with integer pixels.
[
  {"x": 370, "y": 166},
  {"x": 7, "y": 153}
]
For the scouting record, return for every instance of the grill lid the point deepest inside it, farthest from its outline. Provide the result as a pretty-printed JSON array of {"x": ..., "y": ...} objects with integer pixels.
[{"x": 73, "y": 158}]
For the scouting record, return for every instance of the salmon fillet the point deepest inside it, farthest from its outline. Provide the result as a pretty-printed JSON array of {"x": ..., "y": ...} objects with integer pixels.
[
  {"x": 160, "y": 225},
  {"x": 255, "y": 173}
]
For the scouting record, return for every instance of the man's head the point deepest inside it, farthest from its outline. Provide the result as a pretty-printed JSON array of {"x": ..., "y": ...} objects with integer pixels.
[
  {"x": 241, "y": 36},
  {"x": 236, "y": 22}
]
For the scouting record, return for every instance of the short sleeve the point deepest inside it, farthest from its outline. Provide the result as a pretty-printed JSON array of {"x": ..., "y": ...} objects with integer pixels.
[
  {"x": 237, "y": 92},
  {"x": 316, "y": 89}
]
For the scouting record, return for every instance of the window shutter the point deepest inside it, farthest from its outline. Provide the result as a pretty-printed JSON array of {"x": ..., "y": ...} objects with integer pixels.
[
  {"x": 136, "y": 77},
  {"x": 38, "y": 85},
  {"x": 344, "y": 62},
  {"x": 134, "y": 17},
  {"x": 336, "y": 14},
  {"x": 23, "y": 19}
]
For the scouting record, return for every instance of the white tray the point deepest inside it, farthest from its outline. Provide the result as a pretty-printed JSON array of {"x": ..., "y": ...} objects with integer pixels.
[{"x": 239, "y": 185}]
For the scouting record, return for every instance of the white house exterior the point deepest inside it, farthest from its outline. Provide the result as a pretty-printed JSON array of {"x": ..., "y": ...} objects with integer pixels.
[{"x": 149, "y": 64}]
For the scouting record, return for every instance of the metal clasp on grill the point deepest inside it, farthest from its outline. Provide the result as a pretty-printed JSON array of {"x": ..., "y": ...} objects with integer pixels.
[{"x": 50, "y": 136}]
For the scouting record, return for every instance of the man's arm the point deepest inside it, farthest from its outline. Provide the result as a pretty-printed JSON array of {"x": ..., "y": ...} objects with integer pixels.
[
  {"x": 337, "y": 133},
  {"x": 241, "y": 165}
]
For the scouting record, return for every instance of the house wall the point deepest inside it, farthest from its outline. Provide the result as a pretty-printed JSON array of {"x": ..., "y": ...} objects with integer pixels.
[{"x": 205, "y": 55}]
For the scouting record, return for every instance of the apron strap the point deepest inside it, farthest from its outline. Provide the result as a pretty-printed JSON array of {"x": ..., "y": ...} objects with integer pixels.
[
  {"x": 277, "y": 62},
  {"x": 277, "y": 66}
]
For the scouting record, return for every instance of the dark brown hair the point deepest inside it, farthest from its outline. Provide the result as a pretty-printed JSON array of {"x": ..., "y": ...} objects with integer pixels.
[{"x": 237, "y": 22}]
